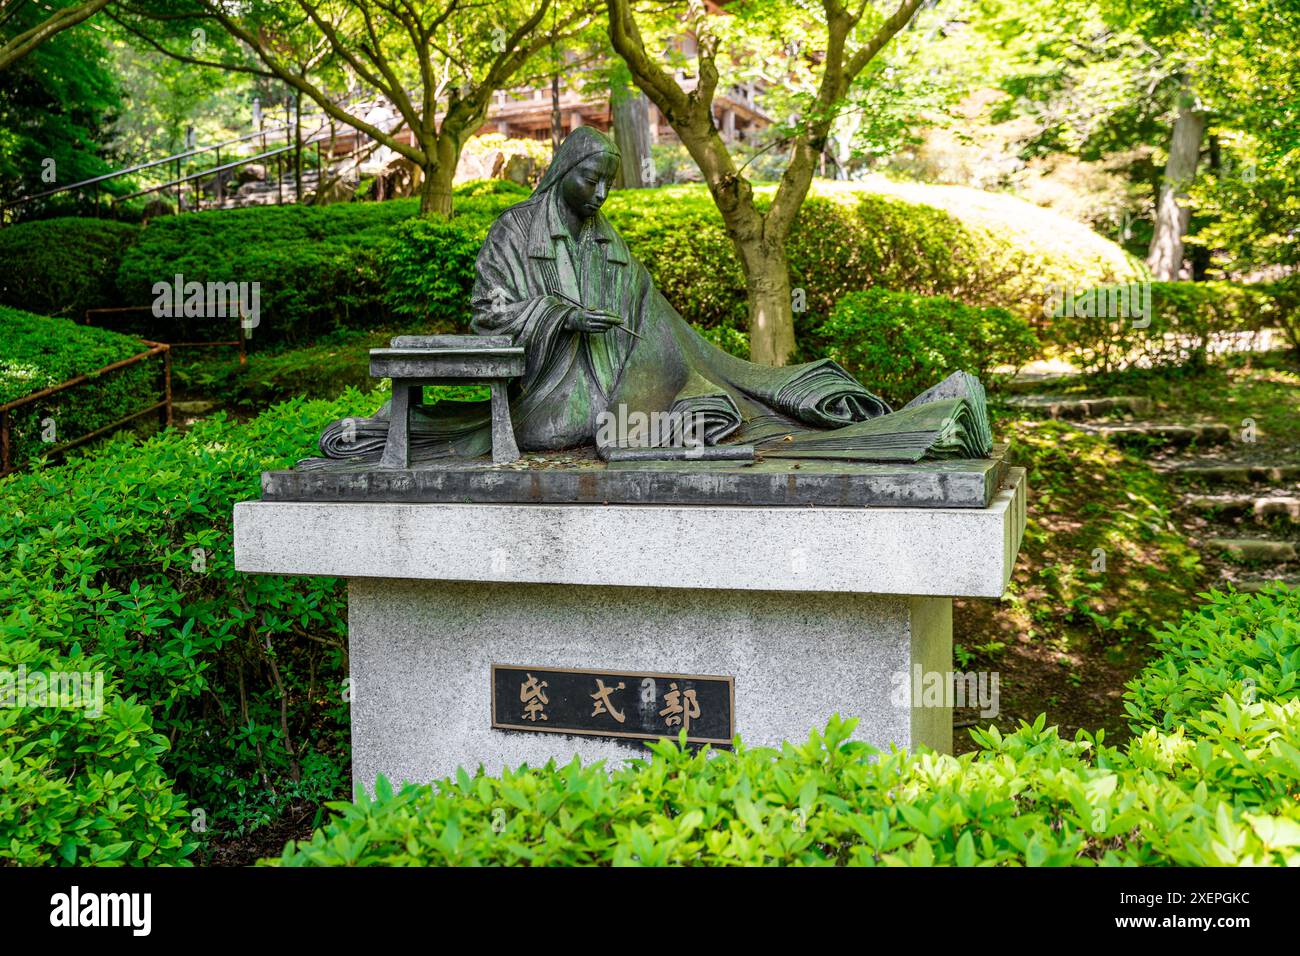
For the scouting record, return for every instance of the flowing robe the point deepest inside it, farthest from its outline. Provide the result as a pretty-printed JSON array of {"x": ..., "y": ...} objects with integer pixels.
[{"x": 531, "y": 274}]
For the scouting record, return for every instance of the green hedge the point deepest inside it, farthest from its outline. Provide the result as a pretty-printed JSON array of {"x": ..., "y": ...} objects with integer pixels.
[
  {"x": 39, "y": 352},
  {"x": 126, "y": 556},
  {"x": 1183, "y": 318},
  {"x": 1286, "y": 307},
  {"x": 1217, "y": 789},
  {"x": 322, "y": 268},
  {"x": 62, "y": 266},
  {"x": 365, "y": 264},
  {"x": 849, "y": 237},
  {"x": 900, "y": 344}
]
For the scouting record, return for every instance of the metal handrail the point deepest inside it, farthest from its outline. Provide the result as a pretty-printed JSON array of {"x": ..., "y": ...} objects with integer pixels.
[
  {"x": 164, "y": 407},
  {"x": 176, "y": 157},
  {"x": 209, "y": 171}
]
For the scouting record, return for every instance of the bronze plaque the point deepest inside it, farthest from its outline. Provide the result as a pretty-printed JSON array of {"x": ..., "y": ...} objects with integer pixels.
[{"x": 627, "y": 705}]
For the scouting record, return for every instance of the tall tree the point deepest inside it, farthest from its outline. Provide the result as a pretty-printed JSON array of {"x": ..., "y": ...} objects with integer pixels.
[
  {"x": 438, "y": 64},
  {"x": 843, "y": 41}
]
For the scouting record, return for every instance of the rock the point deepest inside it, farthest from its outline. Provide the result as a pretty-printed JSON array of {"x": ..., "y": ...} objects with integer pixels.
[
  {"x": 1147, "y": 433},
  {"x": 1074, "y": 409},
  {"x": 1217, "y": 504},
  {"x": 335, "y": 190},
  {"x": 1257, "y": 550},
  {"x": 157, "y": 207},
  {"x": 400, "y": 178},
  {"x": 1237, "y": 474},
  {"x": 252, "y": 173},
  {"x": 193, "y": 408},
  {"x": 1278, "y": 507},
  {"x": 520, "y": 169},
  {"x": 1261, "y": 508}
]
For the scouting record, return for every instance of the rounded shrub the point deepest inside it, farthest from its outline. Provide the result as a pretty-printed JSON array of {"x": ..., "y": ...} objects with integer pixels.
[
  {"x": 63, "y": 266},
  {"x": 900, "y": 344}
]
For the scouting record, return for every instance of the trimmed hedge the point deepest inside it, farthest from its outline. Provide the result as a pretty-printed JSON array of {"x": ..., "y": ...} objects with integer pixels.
[
  {"x": 39, "y": 352},
  {"x": 900, "y": 344},
  {"x": 322, "y": 268},
  {"x": 849, "y": 237},
  {"x": 1217, "y": 789},
  {"x": 62, "y": 266},
  {"x": 125, "y": 557},
  {"x": 1184, "y": 317},
  {"x": 365, "y": 264}
]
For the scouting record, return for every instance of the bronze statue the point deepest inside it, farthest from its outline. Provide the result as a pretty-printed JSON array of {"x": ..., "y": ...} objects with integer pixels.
[{"x": 601, "y": 342}]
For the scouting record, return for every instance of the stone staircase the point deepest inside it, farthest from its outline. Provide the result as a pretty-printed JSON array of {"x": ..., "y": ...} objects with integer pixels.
[{"x": 1243, "y": 513}]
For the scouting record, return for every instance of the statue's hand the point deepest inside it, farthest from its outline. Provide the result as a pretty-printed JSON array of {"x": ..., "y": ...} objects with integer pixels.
[{"x": 592, "y": 320}]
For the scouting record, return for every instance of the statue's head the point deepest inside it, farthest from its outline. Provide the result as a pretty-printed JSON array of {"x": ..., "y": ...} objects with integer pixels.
[{"x": 583, "y": 171}]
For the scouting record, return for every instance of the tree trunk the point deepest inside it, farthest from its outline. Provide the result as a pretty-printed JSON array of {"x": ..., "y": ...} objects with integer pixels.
[
  {"x": 1165, "y": 257},
  {"x": 435, "y": 190},
  {"x": 767, "y": 293},
  {"x": 557, "y": 128},
  {"x": 632, "y": 134}
]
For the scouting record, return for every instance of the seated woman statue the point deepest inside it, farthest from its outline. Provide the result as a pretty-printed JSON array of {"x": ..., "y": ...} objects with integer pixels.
[{"x": 602, "y": 344}]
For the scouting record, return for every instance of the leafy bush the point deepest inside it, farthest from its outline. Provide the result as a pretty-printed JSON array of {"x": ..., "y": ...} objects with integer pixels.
[
  {"x": 900, "y": 344},
  {"x": 62, "y": 266},
  {"x": 1217, "y": 790},
  {"x": 1098, "y": 330},
  {"x": 1247, "y": 647},
  {"x": 78, "y": 786},
  {"x": 321, "y": 268},
  {"x": 1286, "y": 307},
  {"x": 40, "y": 352},
  {"x": 361, "y": 264},
  {"x": 126, "y": 556},
  {"x": 853, "y": 236}
]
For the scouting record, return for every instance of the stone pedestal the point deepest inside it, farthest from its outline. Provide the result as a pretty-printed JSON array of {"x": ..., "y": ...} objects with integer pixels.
[{"x": 811, "y": 611}]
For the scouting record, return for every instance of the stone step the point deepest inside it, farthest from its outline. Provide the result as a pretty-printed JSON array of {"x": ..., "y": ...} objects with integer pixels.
[
  {"x": 1254, "y": 585},
  {"x": 1261, "y": 508},
  {"x": 1074, "y": 409},
  {"x": 1152, "y": 433},
  {"x": 193, "y": 407},
  {"x": 1255, "y": 550},
  {"x": 1235, "y": 474}
]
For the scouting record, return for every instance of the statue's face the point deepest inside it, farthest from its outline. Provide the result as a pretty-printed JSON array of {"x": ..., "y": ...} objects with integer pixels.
[{"x": 586, "y": 186}]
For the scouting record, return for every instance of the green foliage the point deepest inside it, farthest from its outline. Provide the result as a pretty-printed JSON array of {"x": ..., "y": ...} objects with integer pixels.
[
  {"x": 1244, "y": 646},
  {"x": 1098, "y": 328},
  {"x": 126, "y": 556},
  {"x": 78, "y": 784},
  {"x": 318, "y": 266},
  {"x": 62, "y": 266},
  {"x": 1215, "y": 791},
  {"x": 322, "y": 268},
  {"x": 1090, "y": 495},
  {"x": 988, "y": 251},
  {"x": 901, "y": 343},
  {"x": 429, "y": 264},
  {"x": 58, "y": 105},
  {"x": 40, "y": 352},
  {"x": 1286, "y": 307}
]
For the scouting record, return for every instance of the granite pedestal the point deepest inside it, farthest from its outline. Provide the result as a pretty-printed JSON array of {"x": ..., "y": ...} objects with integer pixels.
[{"x": 811, "y": 611}]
